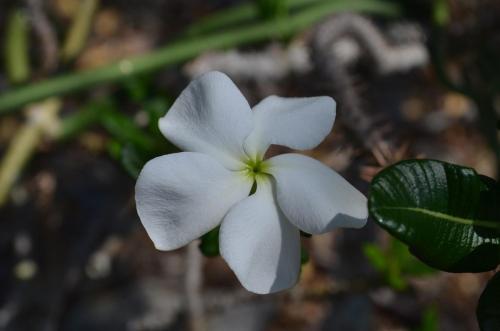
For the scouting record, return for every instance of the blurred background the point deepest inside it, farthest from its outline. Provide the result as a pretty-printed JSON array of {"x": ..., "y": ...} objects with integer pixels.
[{"x": 83, "y": 83}]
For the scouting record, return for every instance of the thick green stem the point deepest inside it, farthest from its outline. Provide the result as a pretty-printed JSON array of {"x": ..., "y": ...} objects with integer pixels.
[{"x": 184, "y": 50}]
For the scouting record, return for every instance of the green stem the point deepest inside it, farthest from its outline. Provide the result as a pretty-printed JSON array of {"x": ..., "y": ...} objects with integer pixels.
[
  {"x": 16, "y": 47},
  {"x": 79, "y": 30},
  {"x": 41, "y": 117},
  {"x": 238, "y": 15},
  {"x": 184, "y": 50}
]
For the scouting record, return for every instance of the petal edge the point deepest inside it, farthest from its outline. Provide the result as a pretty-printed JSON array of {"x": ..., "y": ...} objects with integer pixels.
[
  {"x": 259, "y": 244},
  {"x": 298, "y": 123},
  {"x": 315, "y": 198},
  {"x": 210, "y": 116}
]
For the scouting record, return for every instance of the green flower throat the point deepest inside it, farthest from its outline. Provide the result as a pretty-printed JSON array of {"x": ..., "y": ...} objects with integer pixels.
[{"x": 255, "y": 168}]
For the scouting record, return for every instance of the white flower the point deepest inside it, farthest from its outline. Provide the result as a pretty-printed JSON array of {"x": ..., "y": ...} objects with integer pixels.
[{"x": 184, "y": 195}]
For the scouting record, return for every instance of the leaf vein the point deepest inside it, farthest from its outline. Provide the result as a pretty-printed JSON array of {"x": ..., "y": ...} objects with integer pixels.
[{"x": 446, "y": 217}]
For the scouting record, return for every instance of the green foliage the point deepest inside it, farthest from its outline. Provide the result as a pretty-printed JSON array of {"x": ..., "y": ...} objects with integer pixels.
[
  {"x": 441, "y": 12},
  {"x": 304, "y": 255},
  {"x": 430, "y": 320},
  {"x": 395, "y": 263},
  {"x": 272, "y": 9},
  {"x": 185, "y": 48},
  {"x": 447, "y": 214},
  {"x": 488, "y": 309},
  {"x": 209, "y": 244}
]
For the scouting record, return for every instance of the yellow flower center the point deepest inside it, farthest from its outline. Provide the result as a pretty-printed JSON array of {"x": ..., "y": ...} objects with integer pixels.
[{"x": 255, "y": 168}]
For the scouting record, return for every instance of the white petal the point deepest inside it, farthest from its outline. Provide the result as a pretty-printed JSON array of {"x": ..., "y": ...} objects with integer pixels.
[
  {"x": 314, "y": 197},
  {"x": 259, "y": 244},
  {"x": 210, "y": 116},
  {"x": 299, "y": 123},
  {"x": 181, "y": 196}
]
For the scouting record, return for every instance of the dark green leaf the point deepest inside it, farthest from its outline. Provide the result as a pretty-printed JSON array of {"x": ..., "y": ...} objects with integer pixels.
[
  {"x": 304, "y": 255},
  {"x": 271, "y": 9},
  {"x": 488, "y": 309},
  {"x": 209, "y": 245},
  {"x": 447, "y": 214}
]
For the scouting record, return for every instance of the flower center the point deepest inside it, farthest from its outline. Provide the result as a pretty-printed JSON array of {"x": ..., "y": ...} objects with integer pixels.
[{"x": 256, "y": 168}]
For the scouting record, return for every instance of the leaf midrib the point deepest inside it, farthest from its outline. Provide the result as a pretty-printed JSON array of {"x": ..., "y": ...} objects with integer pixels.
[{"x": 446, "y": 217}]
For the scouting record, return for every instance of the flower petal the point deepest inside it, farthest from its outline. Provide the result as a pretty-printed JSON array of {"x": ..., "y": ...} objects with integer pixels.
[
  {"x": 299, "y": 123},
  {"x": 259, "y": 244},
  {"x": 210, "y": 116},
  {"x": 181, "y": 196},
  {"x": 314, "y": 197}
]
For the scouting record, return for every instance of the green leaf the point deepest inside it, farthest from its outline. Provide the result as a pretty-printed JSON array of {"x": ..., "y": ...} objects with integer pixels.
[
  {"x": 488, "y": 309},
  {"x": 304, "y": 255},
  {"x": 209, "y": 244},
  {"x": 447, "y": 214}
]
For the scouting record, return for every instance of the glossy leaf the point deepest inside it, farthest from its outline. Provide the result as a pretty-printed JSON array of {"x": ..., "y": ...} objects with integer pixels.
[
  {"x": 447, "y": 214},
  {"x": 488, "y": 309}
]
